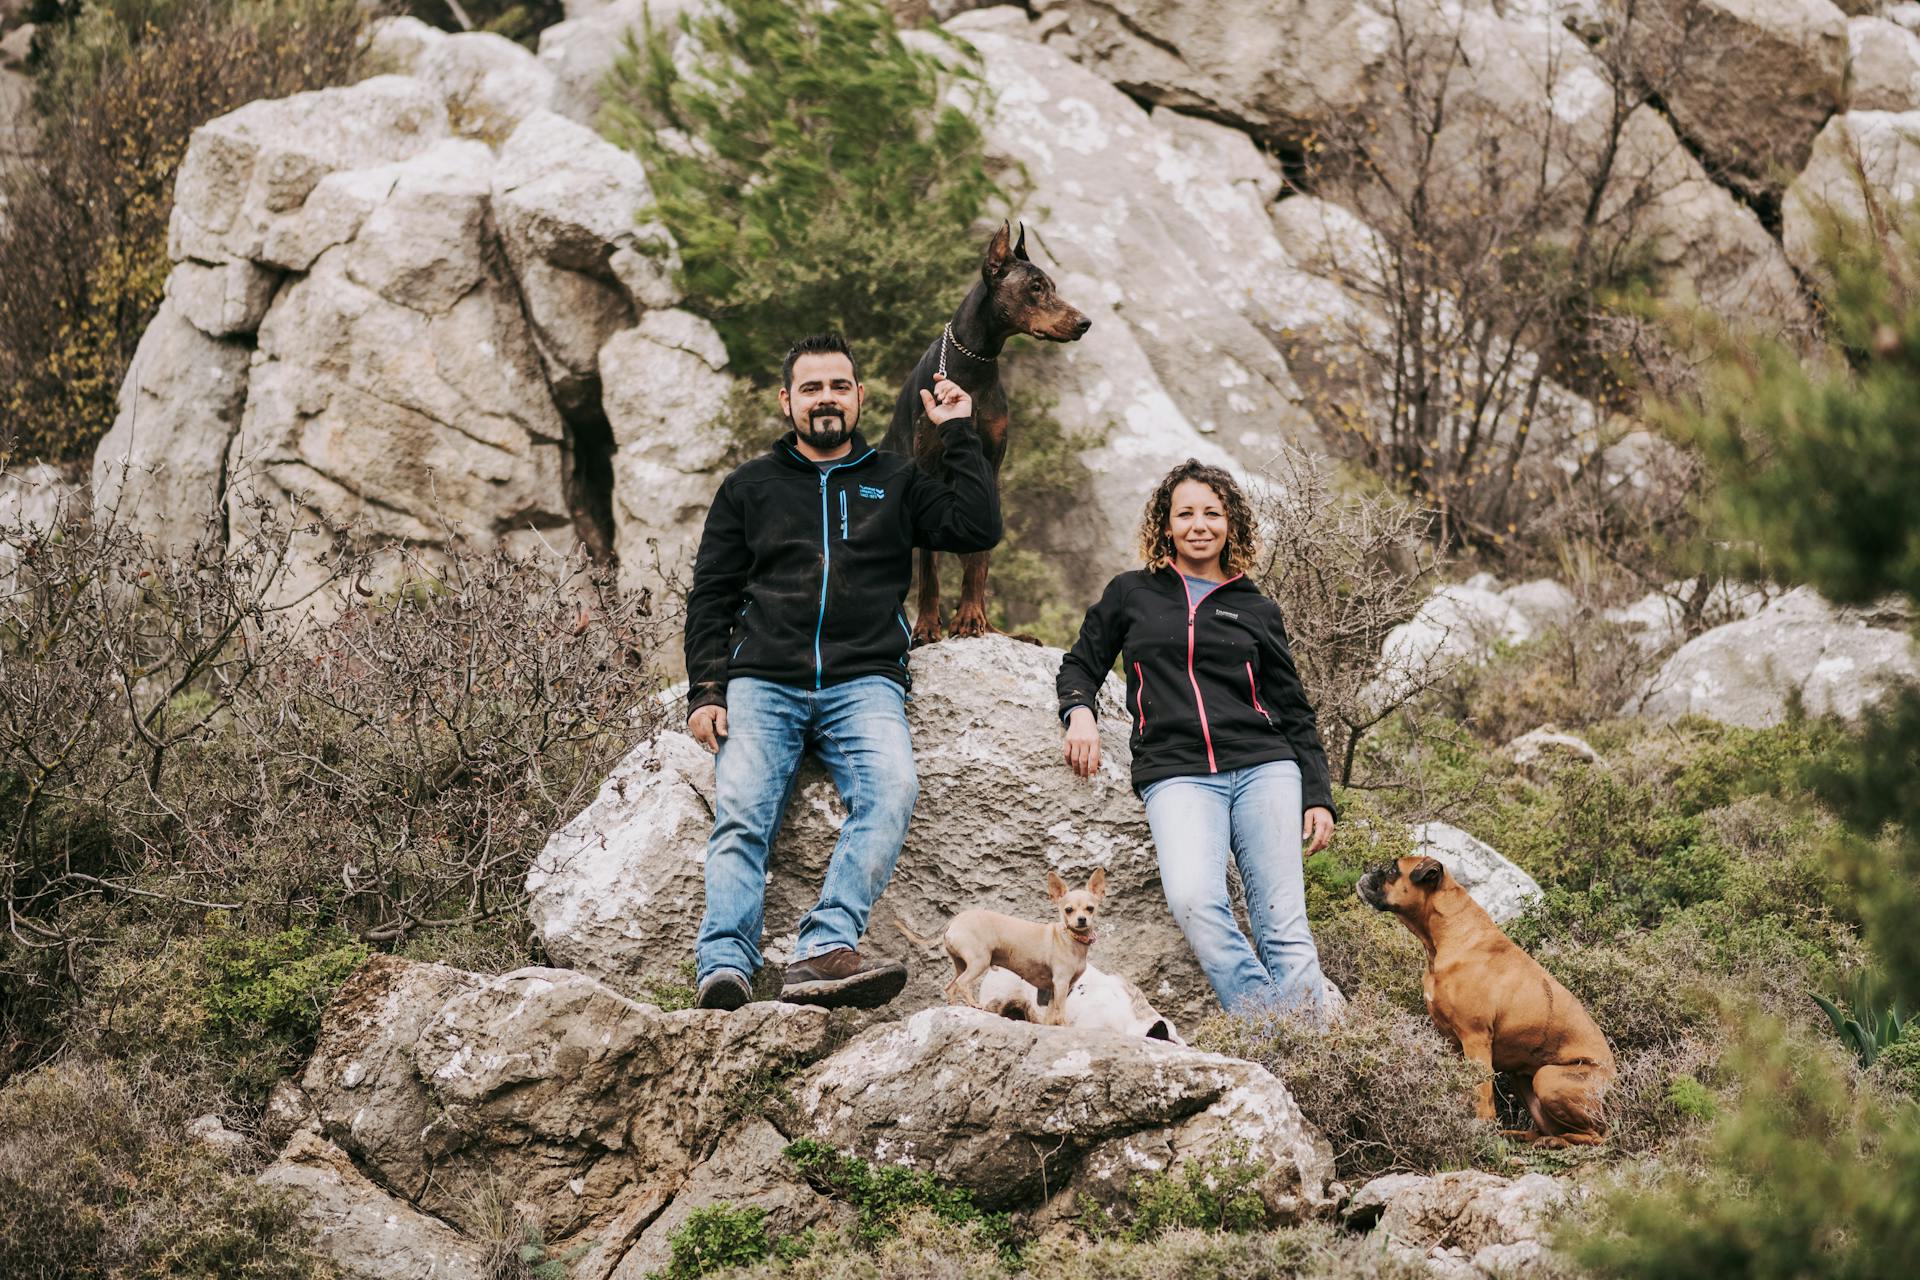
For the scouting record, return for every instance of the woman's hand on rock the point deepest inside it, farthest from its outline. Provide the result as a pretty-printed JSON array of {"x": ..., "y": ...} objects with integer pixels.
[
  {"x": 1083, "y": 742},
  {"x": 1316, "y": 830}
]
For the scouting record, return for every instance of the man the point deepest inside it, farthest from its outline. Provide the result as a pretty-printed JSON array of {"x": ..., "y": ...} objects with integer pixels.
[{"x": 796, "y": 640}]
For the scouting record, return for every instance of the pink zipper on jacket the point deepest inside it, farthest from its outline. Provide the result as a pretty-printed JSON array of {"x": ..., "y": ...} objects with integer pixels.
[
  {"x": 1199, "y": 702},
  {"x": 1140, "y": 698},
  {"x": 1254, "y": 689}
]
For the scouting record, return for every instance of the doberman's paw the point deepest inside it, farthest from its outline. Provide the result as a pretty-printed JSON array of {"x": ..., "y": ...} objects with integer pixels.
[
  {"x": 969, "y": 623},
  {"x": 925, "y": 632}
]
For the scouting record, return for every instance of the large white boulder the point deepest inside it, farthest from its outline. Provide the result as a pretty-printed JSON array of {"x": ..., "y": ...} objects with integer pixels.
[
  {"x": 1014, "y": 1111},
  {"x": 1883, "y": 71},
  {"x": 162, "y": 467},
  {"x": 620, "y": 891},
  {"x": 1467, "y": 1223},
  {"x": 1489, "y": 878},
  {"x": 1835, "y": 662},
  {"x": 1859, "y": 155},
  {"x": 396, "y": 389}
]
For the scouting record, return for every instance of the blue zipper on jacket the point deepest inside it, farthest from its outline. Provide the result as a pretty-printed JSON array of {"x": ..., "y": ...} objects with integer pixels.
[{"x": 826, "y": 561}]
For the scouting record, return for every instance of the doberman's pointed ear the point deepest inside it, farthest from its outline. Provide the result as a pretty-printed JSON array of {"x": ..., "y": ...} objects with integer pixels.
[
  {"x": 1056, "y": 887},
  {"x": 1428, "y": 873},
  {"x": 1020, "y": 246},
  {"x": 999, "y": 253},
  {"x": 1097, "y": 883}
]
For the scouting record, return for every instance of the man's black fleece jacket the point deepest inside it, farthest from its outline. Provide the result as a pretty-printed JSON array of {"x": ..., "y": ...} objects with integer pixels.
[
  {"x": 1211, "y": 684},
  {"x": 802, "y": 572}
]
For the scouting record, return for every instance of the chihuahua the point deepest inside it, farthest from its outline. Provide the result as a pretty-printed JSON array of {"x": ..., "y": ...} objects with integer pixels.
[{"x": 1051, "y": 956}]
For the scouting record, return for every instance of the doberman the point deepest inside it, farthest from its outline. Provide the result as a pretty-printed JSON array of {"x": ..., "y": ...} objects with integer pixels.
[{"x": 1012, "y": 296}]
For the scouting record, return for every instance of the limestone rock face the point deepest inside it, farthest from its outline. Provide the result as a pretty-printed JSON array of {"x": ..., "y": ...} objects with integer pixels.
[
  {"x": 747, "y": 1170},
  {"x": 1281, "y": 73},
  {"x": 1007, "y": 1109},
  {"x": 162, "y": 467},
  {"x": 620, "y": 889},
  {"x": 396, "y": 388},
  {"x": 386, "y": 314},
  {"x": 1274, "y": 70},
  {"x": 580, "y": 51},
  {"x": 1885, "y": 146},
  {"x": 590, "y": 1107},
  {"x": 1751, "y": 81},
  {"x": 1883, "y": 72},
  {"x": 659, "y": 381},
  {"x": 1489, "y": 878},
  {"x": 1465, "y": 1224},
  {"x": 1746, "y": 673},
  {"x": 368, "y": 1234}
]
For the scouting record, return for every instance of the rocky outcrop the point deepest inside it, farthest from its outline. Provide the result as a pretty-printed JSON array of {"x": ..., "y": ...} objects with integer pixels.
[
  {"x": 1749, "y": 673},
  {"x": 1489, "y": 878},
  {"x": 365, "y": 1232},
  {"x": 1012, "y": 1111},
  {"x": 1465, "y": 1224},
  {"x": 1859, "y": 156},
  {"x": 619, "y": 890},
  {"x": 445, "y": 1100},
  {"x": 1545, "y": 747},
  {"x": 1286, "y": 75},
  {"x": 387, "y": 313},
  {"x": 1883, "y": 68},
  {"x": 1748, "y": 82},
  {"x": 162, "y": 467}
]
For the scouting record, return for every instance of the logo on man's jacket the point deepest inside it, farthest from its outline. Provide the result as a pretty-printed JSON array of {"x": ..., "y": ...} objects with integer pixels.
[
  {"x": 1222, "y": 613},
  {"x": 868, "y": 491}
]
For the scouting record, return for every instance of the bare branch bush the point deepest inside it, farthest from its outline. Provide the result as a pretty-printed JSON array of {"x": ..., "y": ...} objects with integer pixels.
[
  {"x": 1345, "y": 568},
  {"x": 1507, "y": 246},
  {"x": 178, "y": 737}
]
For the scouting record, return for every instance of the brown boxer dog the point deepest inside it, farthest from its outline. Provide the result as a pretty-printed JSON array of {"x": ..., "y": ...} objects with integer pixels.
[{"x": 1498, "y": 1005}]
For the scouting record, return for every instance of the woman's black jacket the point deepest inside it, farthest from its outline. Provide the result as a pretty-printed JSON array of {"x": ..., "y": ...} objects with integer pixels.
[{"x": 1210, "y": 687}]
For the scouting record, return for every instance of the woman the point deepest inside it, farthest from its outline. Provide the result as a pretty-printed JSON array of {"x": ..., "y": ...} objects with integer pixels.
[{"x": 1225, "y": 750}]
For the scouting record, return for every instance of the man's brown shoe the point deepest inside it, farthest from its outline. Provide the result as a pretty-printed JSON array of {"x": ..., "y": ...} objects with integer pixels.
[{"x": 840, "y": 979}]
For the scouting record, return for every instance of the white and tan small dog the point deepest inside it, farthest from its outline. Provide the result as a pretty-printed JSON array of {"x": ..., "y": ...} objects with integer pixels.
[
  {"x": 1100, "y": 1001},
  {"x": 1049, "y": 956}
]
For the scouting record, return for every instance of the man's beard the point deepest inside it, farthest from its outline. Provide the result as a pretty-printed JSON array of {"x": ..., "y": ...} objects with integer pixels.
[{"x": 824, "y": 437}]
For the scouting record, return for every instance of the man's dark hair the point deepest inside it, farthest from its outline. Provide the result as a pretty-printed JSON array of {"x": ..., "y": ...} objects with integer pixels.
[{"x": 819, "y": 344}]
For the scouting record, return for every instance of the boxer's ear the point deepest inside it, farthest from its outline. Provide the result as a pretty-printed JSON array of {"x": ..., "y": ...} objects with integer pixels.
[{"x": 1427, "y": 873}]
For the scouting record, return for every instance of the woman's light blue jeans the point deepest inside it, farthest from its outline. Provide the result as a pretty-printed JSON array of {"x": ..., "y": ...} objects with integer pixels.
[
  {"x": 858, "y": 730},
  {"x": 1254, "y": 815}
]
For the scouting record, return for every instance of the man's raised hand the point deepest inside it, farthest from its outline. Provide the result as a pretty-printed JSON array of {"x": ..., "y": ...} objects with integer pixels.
[
  {"x": 708, "y": 725},
  {"x": 945, "y": 402}
]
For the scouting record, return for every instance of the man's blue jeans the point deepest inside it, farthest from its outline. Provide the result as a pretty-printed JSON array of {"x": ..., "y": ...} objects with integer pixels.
[
  {"x": 1253, "y": 814},
  {"x": 858, "y": 730}
]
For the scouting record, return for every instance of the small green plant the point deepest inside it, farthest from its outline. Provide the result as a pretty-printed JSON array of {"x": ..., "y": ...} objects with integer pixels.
[
  {"x": 1869, "y": 1026},
  {"x": 1898, "y": 1066},
  {"x": 883, "y": 1197},
  {"x": 1691, "y": 1098},
  {"x": 716, "y": 1238},
  {"x": 1220, "y": 1194}
]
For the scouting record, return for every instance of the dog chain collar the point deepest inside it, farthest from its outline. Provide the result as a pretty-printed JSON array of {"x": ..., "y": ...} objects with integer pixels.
[{"x": 946, "y": 338}]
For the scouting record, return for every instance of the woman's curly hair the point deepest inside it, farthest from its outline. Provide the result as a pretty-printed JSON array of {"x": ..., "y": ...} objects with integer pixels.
[{"x": 1242, "y": 546}]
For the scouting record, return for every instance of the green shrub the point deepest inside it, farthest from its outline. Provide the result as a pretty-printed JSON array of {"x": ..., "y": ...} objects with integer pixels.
[
  {"x": 1389, "y": 1094},
  {"x": 1804, "y": 1178},
  {"x": 884, "y": 1196},
  {"x": 83, "y": 259},
  {"x": 1220, "y": 1194},
  {"x": 98, "y": 1179},
  {"x": 811, "y": 176},
  {"x": 715, "y": 1238},
  {"x": 1898, "y": 1066}
]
